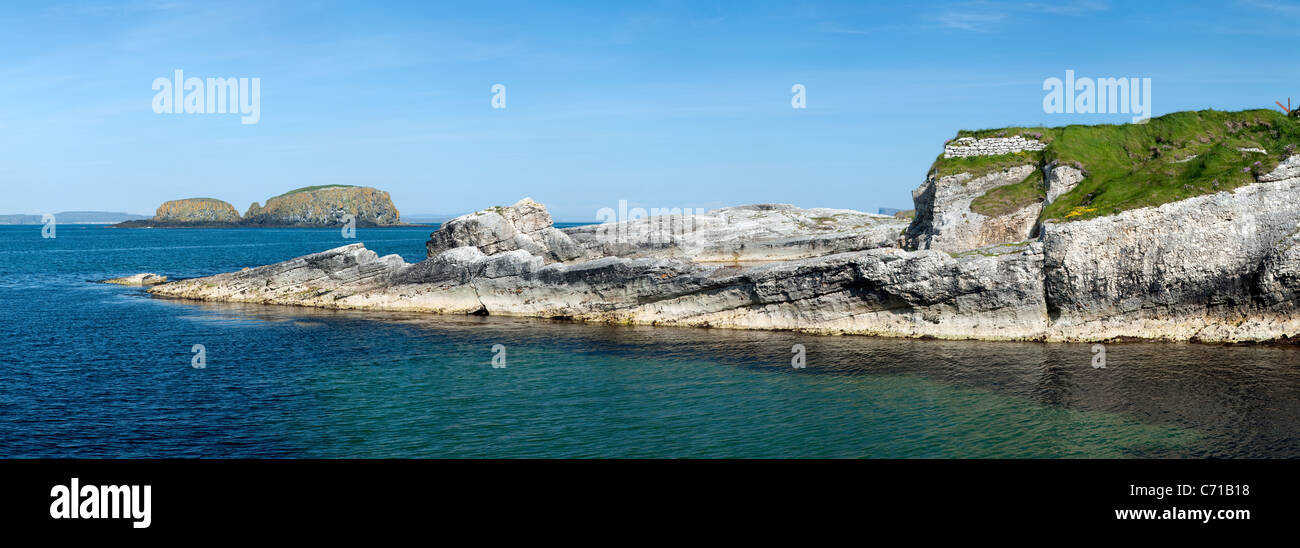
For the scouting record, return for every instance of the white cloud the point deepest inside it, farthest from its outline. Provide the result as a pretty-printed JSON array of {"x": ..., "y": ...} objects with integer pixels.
[
  {"x": 988, "y": 16},
  {"x": 1284, "y": 8},
  {"x": 972, "y": 21}
]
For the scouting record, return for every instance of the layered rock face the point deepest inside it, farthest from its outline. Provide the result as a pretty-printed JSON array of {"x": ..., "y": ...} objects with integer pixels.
[
  {"x": 196, "y": 210},
  {"x": 881, "y": 291},
  {"x": 764, "y": 232},
  {"x": 945, "y": 221},
  {"x": 1202, "y": 268},
  {"x": 325, "y": 206},
  {"x": 756, "y": 233}
]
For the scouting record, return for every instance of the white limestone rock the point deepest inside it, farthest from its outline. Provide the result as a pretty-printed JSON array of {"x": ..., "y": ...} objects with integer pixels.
[
  {"x": 944, "y": 220},
  {"x": 142, "y": 279}
]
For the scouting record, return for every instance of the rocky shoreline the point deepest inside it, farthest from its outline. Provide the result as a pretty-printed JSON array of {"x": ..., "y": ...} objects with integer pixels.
[
  {"x": 1144, "y": 274},
  {"x": 1216, "y": 267}
]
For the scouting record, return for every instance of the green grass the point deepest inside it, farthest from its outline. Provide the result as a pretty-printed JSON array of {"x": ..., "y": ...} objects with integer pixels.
[
  {"x": 1044, "y": 134},
  {"x": 309, "y": 189},
  {"x": 1131, "y": 166},
  {"x": 1011, "y": 198},
  {"x": 980, "y": 165}
]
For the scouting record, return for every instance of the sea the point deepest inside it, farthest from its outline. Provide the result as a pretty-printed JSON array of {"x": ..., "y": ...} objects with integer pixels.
[{"x": 90, "y": 370}]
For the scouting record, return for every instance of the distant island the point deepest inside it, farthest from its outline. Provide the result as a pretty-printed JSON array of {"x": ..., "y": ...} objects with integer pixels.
[
  {"x": 312, "y": 206},
  {"x": 72, "y": 217},
  {"x": 431, "y": 218}
]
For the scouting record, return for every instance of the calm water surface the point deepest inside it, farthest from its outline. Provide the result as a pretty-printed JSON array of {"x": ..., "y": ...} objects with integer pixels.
[{"x": 92, "y": 370}]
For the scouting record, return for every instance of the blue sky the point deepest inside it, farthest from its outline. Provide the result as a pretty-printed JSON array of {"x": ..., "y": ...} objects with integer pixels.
[{"x": 663, "y": 104}]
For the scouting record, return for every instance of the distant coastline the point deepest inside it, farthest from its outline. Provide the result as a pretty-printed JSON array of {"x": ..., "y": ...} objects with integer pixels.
[{"x": 72, "y": 217}]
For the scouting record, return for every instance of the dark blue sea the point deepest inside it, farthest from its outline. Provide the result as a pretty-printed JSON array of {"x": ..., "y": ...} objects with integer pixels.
[{"x": 95, "y": 370}]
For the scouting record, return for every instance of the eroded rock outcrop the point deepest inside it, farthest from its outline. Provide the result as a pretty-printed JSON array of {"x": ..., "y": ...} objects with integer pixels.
[
  {"x": 763, "y": 232},
  {"x": 755, "y": 233},
  {"x": 1061, "y": 179},
  {"x": 945, "y": 220},
  {"x": 526, "y": 226}
]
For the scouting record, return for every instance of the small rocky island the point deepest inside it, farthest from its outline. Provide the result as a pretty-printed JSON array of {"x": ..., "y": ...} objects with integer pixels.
[
  {"x": 1184, "y": 228},
  {"x": 314, "y": 206}
]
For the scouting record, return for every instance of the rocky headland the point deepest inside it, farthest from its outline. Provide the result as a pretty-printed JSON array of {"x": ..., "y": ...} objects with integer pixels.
[
  {"x": 1184, "y": 228},
  {"x": 318, "y": 206}
]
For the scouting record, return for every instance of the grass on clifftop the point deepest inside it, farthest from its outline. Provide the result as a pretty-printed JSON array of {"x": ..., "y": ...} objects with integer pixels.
[
  {"x": 1011, "y": 198},
  {"x": 308, "y": 189},
  {"x": 1170, "y": 158}
]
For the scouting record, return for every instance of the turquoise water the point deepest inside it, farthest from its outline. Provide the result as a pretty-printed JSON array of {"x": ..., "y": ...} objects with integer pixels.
[{"x": 93, "y": 370}]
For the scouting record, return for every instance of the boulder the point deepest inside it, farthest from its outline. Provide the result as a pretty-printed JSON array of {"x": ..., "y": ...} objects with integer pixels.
[{"x": 525, "y": 226}]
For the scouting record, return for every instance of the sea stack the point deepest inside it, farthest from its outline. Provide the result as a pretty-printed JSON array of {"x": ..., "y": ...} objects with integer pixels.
[
  {"x": 327, "y": 205},
  {"x": 196, "y": 211}
]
